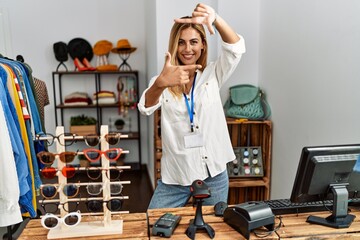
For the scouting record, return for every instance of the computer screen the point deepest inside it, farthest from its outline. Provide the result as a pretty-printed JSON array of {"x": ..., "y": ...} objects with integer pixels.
[{"x": 326, "y": 172}]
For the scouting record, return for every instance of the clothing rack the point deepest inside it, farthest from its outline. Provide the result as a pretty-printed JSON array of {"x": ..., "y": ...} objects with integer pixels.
[{"x": 17, "y": 70}]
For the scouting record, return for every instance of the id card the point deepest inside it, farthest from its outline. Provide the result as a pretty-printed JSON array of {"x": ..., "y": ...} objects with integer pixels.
[{"x": 194, "y": 140}]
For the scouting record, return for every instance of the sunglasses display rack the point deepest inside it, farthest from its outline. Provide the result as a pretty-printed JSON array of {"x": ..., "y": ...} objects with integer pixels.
[{"x": 103, "y": 223}]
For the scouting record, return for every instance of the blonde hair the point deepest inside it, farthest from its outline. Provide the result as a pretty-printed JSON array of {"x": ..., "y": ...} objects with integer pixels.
[{"x": 173, "y": 47}]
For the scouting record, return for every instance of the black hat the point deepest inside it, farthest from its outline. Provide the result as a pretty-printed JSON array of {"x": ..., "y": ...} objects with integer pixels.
[
  {"x": 80, "y": 48},
  {"x": 61, "y": 52}
]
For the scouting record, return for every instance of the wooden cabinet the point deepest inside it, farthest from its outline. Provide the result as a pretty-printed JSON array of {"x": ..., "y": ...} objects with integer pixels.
[
  {"x": 251, "y": 133},
  {"x": 242, "y": 134},
  {"x": 157, "y": 145},
  {"x": 90, "y": 82}
]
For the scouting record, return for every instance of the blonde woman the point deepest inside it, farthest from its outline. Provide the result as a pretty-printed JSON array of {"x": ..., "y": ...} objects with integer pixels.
[{"x": 195, "y": 139}]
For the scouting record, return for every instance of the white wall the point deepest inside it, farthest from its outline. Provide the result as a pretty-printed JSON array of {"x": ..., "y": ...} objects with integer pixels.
[
  {"x": 34, "y": 26},
  {"x": 309, "y": 52},
  {"x": 303, "y": 53}
]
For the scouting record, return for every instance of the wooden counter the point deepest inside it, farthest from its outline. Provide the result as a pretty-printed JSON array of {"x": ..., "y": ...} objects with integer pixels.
[
  {"x": 294, "y": 226},
  {"x": 134, "y": 227},
  {"x": 222, "y": 230}
]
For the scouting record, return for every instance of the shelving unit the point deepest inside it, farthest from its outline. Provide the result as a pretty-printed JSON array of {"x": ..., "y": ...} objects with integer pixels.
[
  {"x": 95, "y": 84},
  {"x": 157, "y": 145},
  {"x": 242, "y": 134}
]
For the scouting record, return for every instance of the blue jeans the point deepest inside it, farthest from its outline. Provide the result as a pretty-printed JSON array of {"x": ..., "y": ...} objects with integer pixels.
[{"x": 172, "y": 196}]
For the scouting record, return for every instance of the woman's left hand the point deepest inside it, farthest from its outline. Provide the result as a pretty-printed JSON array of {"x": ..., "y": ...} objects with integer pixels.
[{"x": 202, "y": 14}]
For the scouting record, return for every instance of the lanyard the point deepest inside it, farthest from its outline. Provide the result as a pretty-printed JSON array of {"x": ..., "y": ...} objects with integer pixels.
[{"x": 191, "y": 109}]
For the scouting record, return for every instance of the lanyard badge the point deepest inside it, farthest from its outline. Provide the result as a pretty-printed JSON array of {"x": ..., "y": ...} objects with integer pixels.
[
  {"x": 190, "y": 109},
  {"x": 194, "y": 139}
]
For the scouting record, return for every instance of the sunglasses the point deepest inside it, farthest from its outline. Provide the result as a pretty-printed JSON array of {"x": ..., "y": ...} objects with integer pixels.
[
  {"x": 94, "y": 155},
  {"x": 92, "y": 139},
  {"x": 54, "y": 207},
  {"x": 49, "y": 172},
  {"x": 96, "y": 189},
  {"x": 48, "y": 158},
  {"x": 94, "y": 173},
  {"x": 65, "y": 139},
  {"x": 51, "y": 221},
  {"x": 97, "y": 205},
  {"x": 49, "y": 191}
]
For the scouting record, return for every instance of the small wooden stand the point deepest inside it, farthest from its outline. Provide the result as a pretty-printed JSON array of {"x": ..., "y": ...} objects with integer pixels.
[{"x": 105, "y": 227}]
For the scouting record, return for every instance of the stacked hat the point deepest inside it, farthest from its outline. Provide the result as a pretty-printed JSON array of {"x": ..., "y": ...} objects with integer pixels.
[{"x": 102, "y": 49}]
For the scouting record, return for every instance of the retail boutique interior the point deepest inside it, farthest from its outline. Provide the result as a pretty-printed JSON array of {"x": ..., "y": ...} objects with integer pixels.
[{"x": 77, "y": 157}]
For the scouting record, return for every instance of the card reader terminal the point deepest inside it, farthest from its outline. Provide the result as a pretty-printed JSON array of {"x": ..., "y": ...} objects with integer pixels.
[{"x": 165, "y": 225}]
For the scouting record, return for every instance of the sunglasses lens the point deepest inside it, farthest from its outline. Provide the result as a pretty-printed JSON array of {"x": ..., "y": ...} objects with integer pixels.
[
  {"x": 71, "y": 190},
  {"x": 46, "y": 157},
  {"x": 50, "y": 222},
  {"x": 94, "y": 206},
  {"x": 114, "y": 204},
  {"x": 72, "y": 219},
  {"x": 112, "y": 138},
  {"x": 94, "y": 189},
  {"x": 71, "y": 206},
  {"x": 113, "y": 154},
  {"x": 48, "y": 172},
  {"x": 113, "y": 174},
  {"x": 66, "y": 139},
  {"x": 93, "y": 174},
  {"x": 50, "y": 207},
  {"x": 116, "y": 189},
  {"x": 92, "y": 155},
  {"x": 48, "y": 191},
  {"x": 45, "y": 139},
  {"x": 67, "y": 157},
  {"x": 91, "y": 140},
  {"x": 68, "y": 171}
]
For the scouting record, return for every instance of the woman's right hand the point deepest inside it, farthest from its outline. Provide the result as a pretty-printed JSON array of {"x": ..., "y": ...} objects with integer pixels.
[
  {"x": 174, "y": 75},
  {"x": 202, "y": 14}
]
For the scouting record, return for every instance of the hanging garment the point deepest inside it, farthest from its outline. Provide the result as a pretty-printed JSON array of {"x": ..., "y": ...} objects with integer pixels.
[
  {"x": 28, "y": 197},
  {"x": 9, "y": 193},
  {"x": 42, "y": 97}
]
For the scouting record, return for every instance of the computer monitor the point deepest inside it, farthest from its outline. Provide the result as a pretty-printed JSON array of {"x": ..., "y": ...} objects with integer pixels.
[{"x": 326, "y": 172}]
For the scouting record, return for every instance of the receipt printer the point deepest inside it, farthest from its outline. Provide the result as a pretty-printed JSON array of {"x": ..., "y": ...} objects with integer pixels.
[{"x": 250, "y": 215}]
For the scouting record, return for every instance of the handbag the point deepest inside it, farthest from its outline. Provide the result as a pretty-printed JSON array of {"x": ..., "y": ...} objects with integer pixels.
[{"x": 247, "y": 101}]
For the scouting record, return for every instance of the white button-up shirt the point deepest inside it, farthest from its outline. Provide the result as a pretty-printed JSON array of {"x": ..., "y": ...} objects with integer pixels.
[{"x": 180, "y": 165}]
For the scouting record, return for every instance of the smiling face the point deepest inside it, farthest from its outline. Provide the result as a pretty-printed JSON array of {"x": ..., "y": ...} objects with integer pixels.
[{"x": 190, "y": 46}]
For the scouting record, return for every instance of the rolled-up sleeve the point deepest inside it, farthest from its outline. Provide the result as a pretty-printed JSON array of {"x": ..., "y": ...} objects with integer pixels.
[{"x": 141, "y": 105}]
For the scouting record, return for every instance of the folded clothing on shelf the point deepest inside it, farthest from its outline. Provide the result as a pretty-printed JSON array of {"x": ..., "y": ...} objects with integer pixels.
[
  {"x": 104, "y": 97},
  {"x": 77, "y": 98}
]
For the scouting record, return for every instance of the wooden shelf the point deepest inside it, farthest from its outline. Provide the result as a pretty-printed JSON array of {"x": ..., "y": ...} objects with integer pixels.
[
  {"x": 251, "y": 133},
  {"x": 93, "y": 72},
  {"x": 111, "y": 105}
]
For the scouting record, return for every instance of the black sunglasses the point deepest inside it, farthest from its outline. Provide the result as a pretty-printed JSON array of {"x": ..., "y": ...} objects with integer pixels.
[
  {"x": 97, "y": 205},
  {"x": 112, "y": 138}
]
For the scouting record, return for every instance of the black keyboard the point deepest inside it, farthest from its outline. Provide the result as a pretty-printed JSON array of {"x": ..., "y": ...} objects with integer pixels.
[{"x": 285, "y": 206}]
